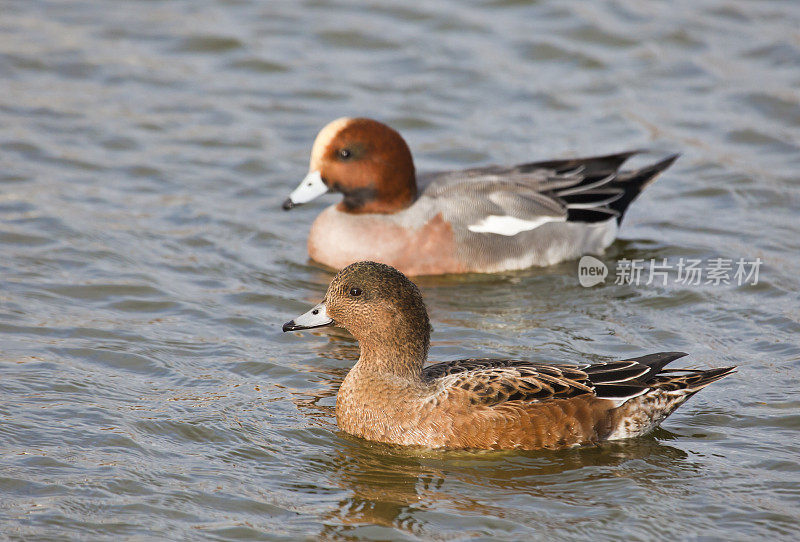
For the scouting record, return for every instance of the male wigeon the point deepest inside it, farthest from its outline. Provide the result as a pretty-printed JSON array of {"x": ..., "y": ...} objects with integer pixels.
[
  {"x": 388, "y": 396},
  {"x": 481, "y": 220}
]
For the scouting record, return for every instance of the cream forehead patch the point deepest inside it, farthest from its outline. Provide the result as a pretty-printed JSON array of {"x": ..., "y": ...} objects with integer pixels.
[{"x": 324, "y": 138}]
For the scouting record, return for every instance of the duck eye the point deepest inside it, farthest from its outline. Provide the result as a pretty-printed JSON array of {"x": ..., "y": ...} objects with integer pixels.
[
  {"x": 355, "y": 292},
  {"x": 344, "y": 154}
]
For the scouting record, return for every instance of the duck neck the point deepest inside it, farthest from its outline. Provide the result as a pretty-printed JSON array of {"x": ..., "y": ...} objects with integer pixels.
[
  {"x": 400, "y": 355},
  {"x": 391, "y": 197}
]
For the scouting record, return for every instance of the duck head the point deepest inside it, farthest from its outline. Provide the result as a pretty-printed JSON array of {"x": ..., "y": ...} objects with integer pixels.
[
  {"x": 363, "y": 159},
  {"x": 382, "y": 309}
]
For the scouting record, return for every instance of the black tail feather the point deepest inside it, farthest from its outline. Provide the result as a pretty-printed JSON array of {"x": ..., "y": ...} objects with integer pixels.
[
  {"x": 689, "y": 379},
  {"x": 590, "y": 215},
  {"x": 655, "y": 377},
  {"x": 656, "y": 362},
  {"x": 602, "y": 191},
  {"x": 633, "y": 182}
]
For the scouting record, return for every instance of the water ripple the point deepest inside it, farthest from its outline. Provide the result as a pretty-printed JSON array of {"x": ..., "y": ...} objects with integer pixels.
[{"x": 147, "y": 267}]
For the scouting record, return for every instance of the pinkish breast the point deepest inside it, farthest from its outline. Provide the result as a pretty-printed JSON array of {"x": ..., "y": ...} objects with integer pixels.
[{"x": 338, "y": 239}]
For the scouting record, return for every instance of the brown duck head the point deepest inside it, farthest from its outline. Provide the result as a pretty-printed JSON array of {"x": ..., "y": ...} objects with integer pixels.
[
  {"x": 365, "y": 160},
  {"x": 382, "y": 309}
]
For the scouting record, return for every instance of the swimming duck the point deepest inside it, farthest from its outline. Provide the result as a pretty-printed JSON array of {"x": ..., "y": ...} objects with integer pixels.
[
  {"x": 483, "y": 220},
  {"x": 390, "y": 396}
]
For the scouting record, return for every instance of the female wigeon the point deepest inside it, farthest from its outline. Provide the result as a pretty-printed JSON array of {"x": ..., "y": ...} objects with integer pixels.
[
  {"x": 482, "y": 220},
  {"x": 388, "y": 396}
]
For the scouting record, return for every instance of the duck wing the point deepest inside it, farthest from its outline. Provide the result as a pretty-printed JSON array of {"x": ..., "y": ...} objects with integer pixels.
[
  {"x": 493, "y": 381},
  {"x": 497, "y": 199}
]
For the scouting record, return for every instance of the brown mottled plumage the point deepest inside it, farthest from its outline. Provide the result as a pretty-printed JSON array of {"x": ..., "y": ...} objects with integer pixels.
[{"x": 389, "y": 396}]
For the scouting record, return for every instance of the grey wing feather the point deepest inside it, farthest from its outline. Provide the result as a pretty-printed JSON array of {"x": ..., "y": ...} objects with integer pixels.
[
  {"x": 480, "y": 193},
  {"x": 580, "y": 190},
  {"x": 525, "y": 195}
]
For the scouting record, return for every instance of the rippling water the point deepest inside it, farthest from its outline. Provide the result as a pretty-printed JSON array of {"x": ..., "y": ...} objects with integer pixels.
[{"x": 146, "y": 267}]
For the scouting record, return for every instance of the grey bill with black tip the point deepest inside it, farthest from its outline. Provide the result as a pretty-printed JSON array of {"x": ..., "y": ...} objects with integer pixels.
[
  {"x": 312, "y": 186},
  {"x": 316, "y": 317}
]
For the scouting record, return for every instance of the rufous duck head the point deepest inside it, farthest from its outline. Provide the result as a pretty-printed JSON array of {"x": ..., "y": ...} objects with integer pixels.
[{"x": 365, "y": 160}]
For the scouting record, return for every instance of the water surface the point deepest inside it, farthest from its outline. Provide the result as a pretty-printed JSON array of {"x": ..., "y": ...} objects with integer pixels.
[{"x": 146, "y": 266}]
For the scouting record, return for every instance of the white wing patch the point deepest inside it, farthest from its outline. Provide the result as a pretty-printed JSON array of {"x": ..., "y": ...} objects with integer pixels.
[{"x": 510, "y": 225}]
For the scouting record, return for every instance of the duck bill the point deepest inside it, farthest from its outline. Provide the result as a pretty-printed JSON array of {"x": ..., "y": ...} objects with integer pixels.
[
  {"x": 311, "y": 187},
  {"x": 316, "y": 317}
]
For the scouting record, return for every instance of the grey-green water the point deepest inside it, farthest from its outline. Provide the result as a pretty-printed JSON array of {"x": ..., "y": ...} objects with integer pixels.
[{"x": 146, "y": 391}]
